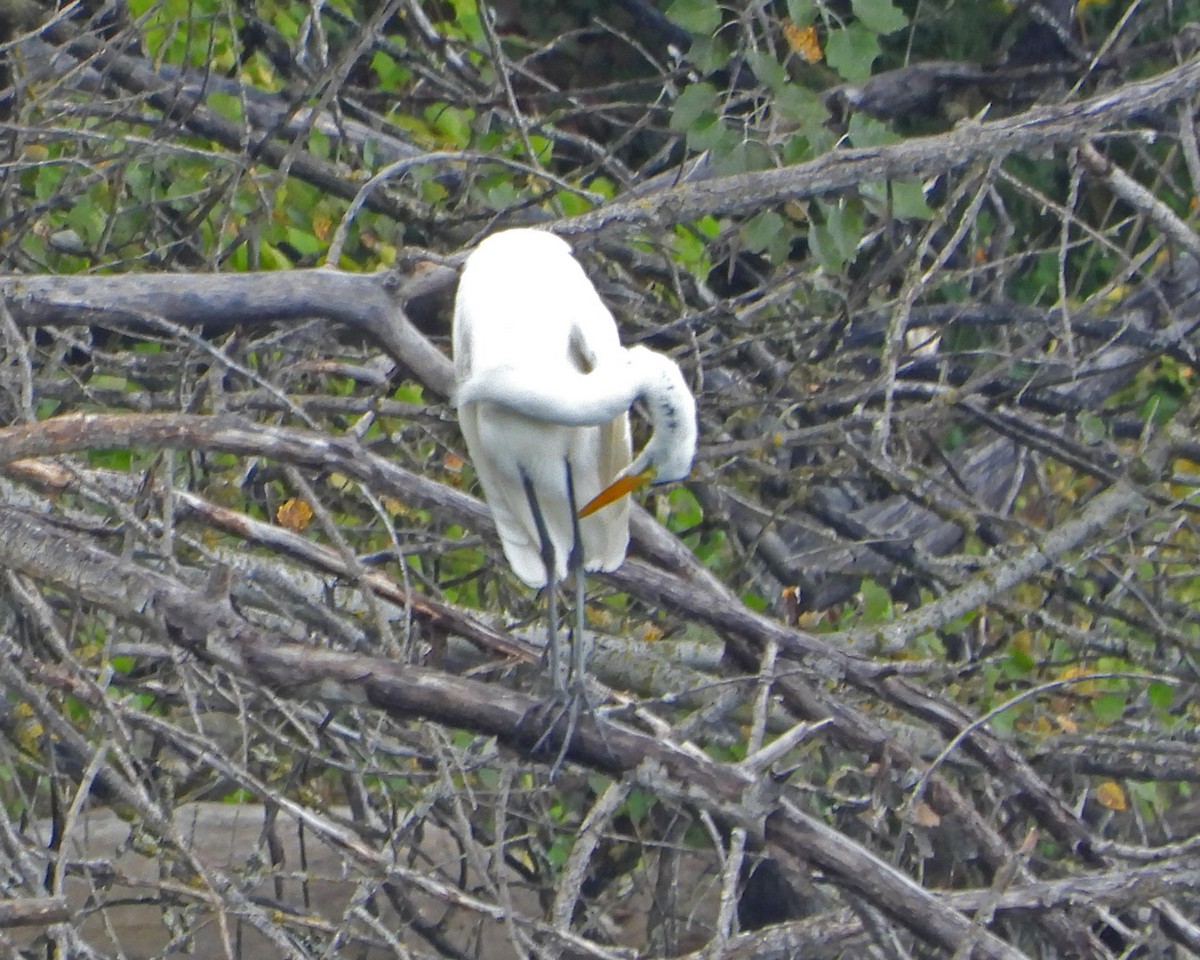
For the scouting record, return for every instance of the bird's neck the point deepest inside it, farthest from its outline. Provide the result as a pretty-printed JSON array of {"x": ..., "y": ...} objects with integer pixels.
[
  {"x": 567, "y": 397},
  {"x": 672, "y": 410}
]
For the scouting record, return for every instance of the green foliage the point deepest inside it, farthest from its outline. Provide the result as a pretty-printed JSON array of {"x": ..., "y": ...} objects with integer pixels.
[
  {"x": 392, "y": 77},
  {"x": 876, "y": 603},
  {"x": 767, "y": 232},
  {"x": 120, "y": 460},
  {"x": 696, "y": 16},
  {"x": 879, "y": 16},
  {"x": 834, "y": 242},
  {"x": 1021, "y": 660},
  {"x": 852, "y": 50},
  {"x": 452, "y": 124},
  {"x": 1161, "y": 695},
  {"x": 1109, "y": 707},
  {"x": 637, "y": 804}
]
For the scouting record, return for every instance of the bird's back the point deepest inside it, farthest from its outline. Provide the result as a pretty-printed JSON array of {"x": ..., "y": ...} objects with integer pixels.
[{"x": 524, "y": 303}]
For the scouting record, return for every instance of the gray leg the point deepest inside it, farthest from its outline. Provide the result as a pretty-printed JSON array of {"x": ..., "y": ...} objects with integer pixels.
[
  {"x": 578, "y": 679},
  {"x": 548, "y": 558}
]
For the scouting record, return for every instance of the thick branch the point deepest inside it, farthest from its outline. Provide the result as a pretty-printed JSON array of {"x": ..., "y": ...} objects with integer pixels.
[
  {"x": 915, "y": 159},
  {"x": 370, "y": 302}
]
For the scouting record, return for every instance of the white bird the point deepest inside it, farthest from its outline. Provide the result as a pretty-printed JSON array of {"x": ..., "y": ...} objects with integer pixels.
[{"x": 543, "y": 389}]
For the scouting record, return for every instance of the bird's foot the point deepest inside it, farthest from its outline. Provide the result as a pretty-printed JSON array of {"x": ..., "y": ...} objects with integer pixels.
[{"x": 558, "y": 720}]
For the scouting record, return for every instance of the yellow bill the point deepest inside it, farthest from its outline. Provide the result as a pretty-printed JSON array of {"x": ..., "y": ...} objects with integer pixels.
[{"x": 616, "y": 490}]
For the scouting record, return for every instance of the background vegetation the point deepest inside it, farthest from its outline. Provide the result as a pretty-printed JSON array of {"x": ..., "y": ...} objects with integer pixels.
[{"x": 908, "y": 667}]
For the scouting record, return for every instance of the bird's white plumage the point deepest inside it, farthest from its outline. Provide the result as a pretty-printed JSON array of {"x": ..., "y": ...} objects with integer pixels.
[{"x": 542, "y": 378}]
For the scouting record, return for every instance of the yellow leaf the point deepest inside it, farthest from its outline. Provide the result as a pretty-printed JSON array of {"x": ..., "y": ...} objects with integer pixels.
[
  {"x": 1111, "y": 796},
  {"x": 803, "y": 40},
  {"x": 1022, "y": 641},
  {"x": 598, "y": 616},
  {"x": 1066, "y": 724},
  {"x": 925, "y": 816},
  {"x": 1086, "y": 688},
  {"x": 294, "y": 514},
  {"x": 394, "y": 507}
]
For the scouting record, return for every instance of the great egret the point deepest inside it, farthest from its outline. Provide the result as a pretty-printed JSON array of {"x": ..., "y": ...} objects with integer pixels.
[{"x": 544, "y": 388}]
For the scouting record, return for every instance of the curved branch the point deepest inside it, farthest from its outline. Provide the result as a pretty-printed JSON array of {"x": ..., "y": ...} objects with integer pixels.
[{"x": 372, "y": 303}]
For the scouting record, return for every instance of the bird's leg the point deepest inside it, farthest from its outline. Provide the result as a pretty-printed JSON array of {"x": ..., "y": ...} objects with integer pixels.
[
  {"x": 578, "y": 678},
  {"x": 546, "y": 546},
  {"x": 576, "y": 688}
]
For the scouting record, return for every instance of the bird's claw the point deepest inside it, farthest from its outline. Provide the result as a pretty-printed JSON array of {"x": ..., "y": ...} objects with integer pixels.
[{"x": 558, "y": 720}]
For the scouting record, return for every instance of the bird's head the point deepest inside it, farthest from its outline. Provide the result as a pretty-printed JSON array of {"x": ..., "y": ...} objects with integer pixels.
[{"x": 672, "y": 446}]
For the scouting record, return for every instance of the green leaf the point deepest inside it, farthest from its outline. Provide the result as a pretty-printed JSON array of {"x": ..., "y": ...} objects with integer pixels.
[
  {"x": 559, "y": 850},
  {"x": 709, "y": 133},
  {"x": 768, "y": 70},
  {"x": 489, "y": 778},
  {"x": 835, "y": 243},
  {"x": 319, "y": 144},
  {"x": 87, "y": 220},
  {"x": 1021, "y": 659},
  {"x": 877, "y": 602},
  {"x": 120, "y": 460},
  {"x": 1002, "y": 723},
  {"x": 686, "y": 511},
  {"x": 1092, "y": 429},
  {"x": 452, "y": 123},
  {"x": 851, "y": 51},
  {"x": 735, "y": 154},
  {"x": 865, "y": 131},
  {"x": 1161, "y": 695},
  {"x": 304, "y": 241},
  {"x": 908, "y": 201},
  {"x": 767, "y": 231},
  {"x": 801, "y": 105},
  {"x": 227, "y": 105},
  {"x": 881, "y": 16},
  {"x": 1109, "y": 707},
  {"x": 693, "y": 102},
  {"x": 902, "y": 199},
  {"x": 572, "y": 203},
  {"x": 801, "y": 12},
  {"x": 602, "y": 186},
  {"x": 466, "y": 15},
  {"x": 696, "y": 16},
  {"x": 270, "y": 257},
  {"x": 46, "y": 181},
  {"x": 709, "y": 54},
  {"x": 108, "y": 381},
  {"x": 392, "y": 76},
  {"x": 409, "y": 392},
  {"x": 755, "y": 601},
  {"x": 691, "y": 252},
  {"x": 637, "y": 803}
]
